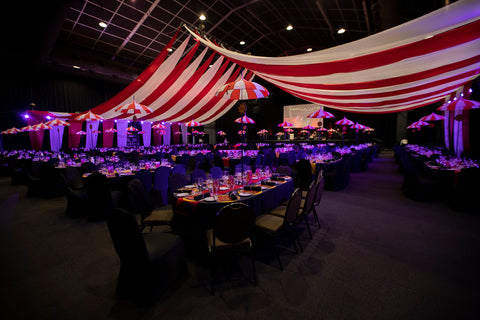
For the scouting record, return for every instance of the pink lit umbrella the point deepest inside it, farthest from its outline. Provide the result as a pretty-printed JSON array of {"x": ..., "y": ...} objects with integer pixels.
[
  {"x": 304, "y": 131},
  {"x": 159, "y": 126},
  {"x": 285, "y": 124},
  {"x": 460, "y": 104},
  {"x": 308, "y": 127},
  {"x": 111, "y": 130},
  {"x": 289, "y": 130},
  {"x": 322, "y": 129},
  {"x": 241, "y": 132},
  {"x": 160, "y": 132},
  {"x": 221, "y": 133},
  {"x": 245, "y": 119},
  {"x": 177, "y": 132},
  {"x": 88, "y": 116},
  {"x": 432, "y": 117},
  {"x": 133, "y": 108},
  {"x": 141, "y": 132},
  {"x": 321, "y": 114},
  {"x": 242, "y": 90},
  {"x": 80, "y": 133},
  {"x": 357, "y": 126},
  {"x": 344, "y": 122},
  {"x": 57, "y": 123},
  {"x": 96, "y": 131}
]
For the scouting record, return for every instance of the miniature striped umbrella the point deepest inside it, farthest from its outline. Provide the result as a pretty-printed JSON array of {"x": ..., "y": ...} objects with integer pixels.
[
  {"x": 142, "y": 132},
  {"x": 160, "y": 132},
  {"x": 358, "y": 126},
  {"x": 41, "y": 126},
  {"x": 111, "y": 130},
  {"x": 131, "y": 129},
  {"x": 159, "y": 126},
  {"x": 245, "y": 119},
  {"x": 90, "y": 116},
  {"x": 96, "y": 131},
  {"x": 133, "y": 108},
  {"x": 263, "y": 131},
  {"x": 432, "y": 117},
  {"x": 304, "y": 131},
  {"x": 242, "y": 90},
  {"x": 321, "y": 114},
  {"x": 460, "y": 104},
  {"x": 192, "y": 123},
  {"x": 322, "y": 129},
  {"x": 285, "y": 124},
  {"x": 221, "y": 133},
  {"x": 344, "y": 122},
  {"x": 241, "y": 132},
  {"x": 80, "y": 133},
  {"x": 57, "y": 123},
  {"x": 11, "y": 131},
  {"x": 308, "y": 127}
]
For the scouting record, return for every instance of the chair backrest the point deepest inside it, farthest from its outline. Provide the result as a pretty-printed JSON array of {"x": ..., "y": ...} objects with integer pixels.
[
  {"x": 161, "y": 181},
  {"x": 197, "y": 173},
  {"x": 73, "y": 177},
  {"x": 234, "y": 223},
  {"x": 216, "y": 172},
  {"x": 304, "y": 176},
  {"x": 145, "y": 176},
  {"x": 179, "y": 168},
  {"x": 309, "y": 200},
  {"x": 284, "y": 170},
  {"x": 292, "y": 207},
  {"x": 218, "y": 161},
  {"x": 320, "y": 185},
  {"x": 140, "y": 202},
  {"x": 127, "y": 238},
  {"x": 177, "y": 180}
]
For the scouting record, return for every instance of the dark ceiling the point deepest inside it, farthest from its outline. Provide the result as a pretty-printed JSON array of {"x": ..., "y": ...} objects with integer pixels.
[{"x": 60, "y": 34}]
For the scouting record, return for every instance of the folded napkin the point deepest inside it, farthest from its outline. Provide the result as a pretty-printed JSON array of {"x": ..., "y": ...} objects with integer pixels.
[
  {"x": 252, "y": 188},
  {"x": 183, "y": 190},
  {"x": 233, "y": 196},
  {"x": 201, "y": 196},
  {"x": 268, "y": 183}
]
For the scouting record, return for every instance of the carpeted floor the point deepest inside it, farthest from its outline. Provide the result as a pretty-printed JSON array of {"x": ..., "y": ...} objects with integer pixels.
[{"x": 378, "y": 255}]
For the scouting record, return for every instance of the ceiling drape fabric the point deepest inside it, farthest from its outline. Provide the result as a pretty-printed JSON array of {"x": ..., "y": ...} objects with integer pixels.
[{"x": 406, "y": 67}]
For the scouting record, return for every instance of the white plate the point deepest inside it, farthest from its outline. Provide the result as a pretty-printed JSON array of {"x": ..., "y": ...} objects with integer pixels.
[
  {"x": 209, "y": 199},
  {"x": 244, "y": 194},
  {"x": 189, "y": 186},
  {"x": 181, "y": 195},
  {"x": 265, "y": 188},
  {"x": 223, "y": 188}
]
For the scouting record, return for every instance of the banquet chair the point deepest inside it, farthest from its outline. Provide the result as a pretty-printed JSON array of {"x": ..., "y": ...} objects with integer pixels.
[
  {"x": 320, "y": 186},
  {"x": 145, "y": 177},
  {"x": 306, "y": 207},
  {"x": 160, "y": 185},
  {"x": 140, "y": 203},
  {"x": 216, "y": 172},
  {"x": 218, "y": 161},
  {"x": 233, "y": 227},
  {"x": 284, "y": 170},
  {"x": 74, "y": 178},
  {"x": 177, "y": 180},
  {"x": 179, "y": 168},
  {"x": 99, "y": 197},
  {"x": 197, "y": 173},
  {"x": 149, "y": 263},
  {"x": 77, "y": 199},
  {"x": 274, "y": 225},
  {"x": 304, "y": 174}
]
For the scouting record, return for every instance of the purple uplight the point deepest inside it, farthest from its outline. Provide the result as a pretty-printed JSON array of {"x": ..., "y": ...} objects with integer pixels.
[
  {"x": 470, "y": 90},
  {"x": 48, "y": 117},
  {"x": 26, "y": 116}
]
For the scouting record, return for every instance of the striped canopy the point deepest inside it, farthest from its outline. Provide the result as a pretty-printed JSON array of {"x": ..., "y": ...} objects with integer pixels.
[
  {"x": 411, "y": 65},
  {"x": 242, "y": 90},
  {"x": 88, "y": 116},
  {"x": 321, "y": 114},
  {"x": 460, "y": 104}
]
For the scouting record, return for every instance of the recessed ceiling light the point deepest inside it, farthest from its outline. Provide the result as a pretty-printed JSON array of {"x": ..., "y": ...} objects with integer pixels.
[
  {"x": 242, "y": 43},
  {"x": 169, "y": 49},
  {"x": 102, "y": 24},
  {"x": 341, "y": 30},
  {"x": 210, "y": 66},
  {"x": 202, "y": 17},
  {"x": 76, "y": 67},
  {"x": 289, "y": 27},
  {"x": 309, "y": 49}
]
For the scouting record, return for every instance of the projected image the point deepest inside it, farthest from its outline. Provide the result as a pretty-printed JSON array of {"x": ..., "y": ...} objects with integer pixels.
[{"x": 297, "y": 115}]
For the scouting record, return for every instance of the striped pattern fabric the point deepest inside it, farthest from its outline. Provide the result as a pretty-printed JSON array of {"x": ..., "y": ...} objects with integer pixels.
[
  {"x": 11, "y": 131},
  {"x": 245, "y": 119},
  {"x": 42, "y": 126},
  {"x": 159, "y": 126},
  {"x": 57, "y": 123},
  {"x": 358, "y": 126},
  {"x": 321, "y": 114},
  {"x": 412, "y": 65},
  {"x": 193, "y": 123},
  {"x": 131, "y": 129},
  {"x": 285, "y": 124},
  {"x": 134, "y": 108},
  {"x": 80, "y": 133},
  {"x": 344, "y": 122},
  {"x": 90, "y": 116},
  {"x": 432, "y": 117}
]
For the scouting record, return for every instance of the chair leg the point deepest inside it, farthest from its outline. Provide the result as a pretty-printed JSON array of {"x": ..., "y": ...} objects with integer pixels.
[
  {"x": 211, "y": 275},
  {"x": 254, "y": 269},
  {"x": 316, "y": 216},
  {"x": 298, "y": 239},
  {"x": 305, "y": 217},
  {"x": 278, "y": 255}
]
